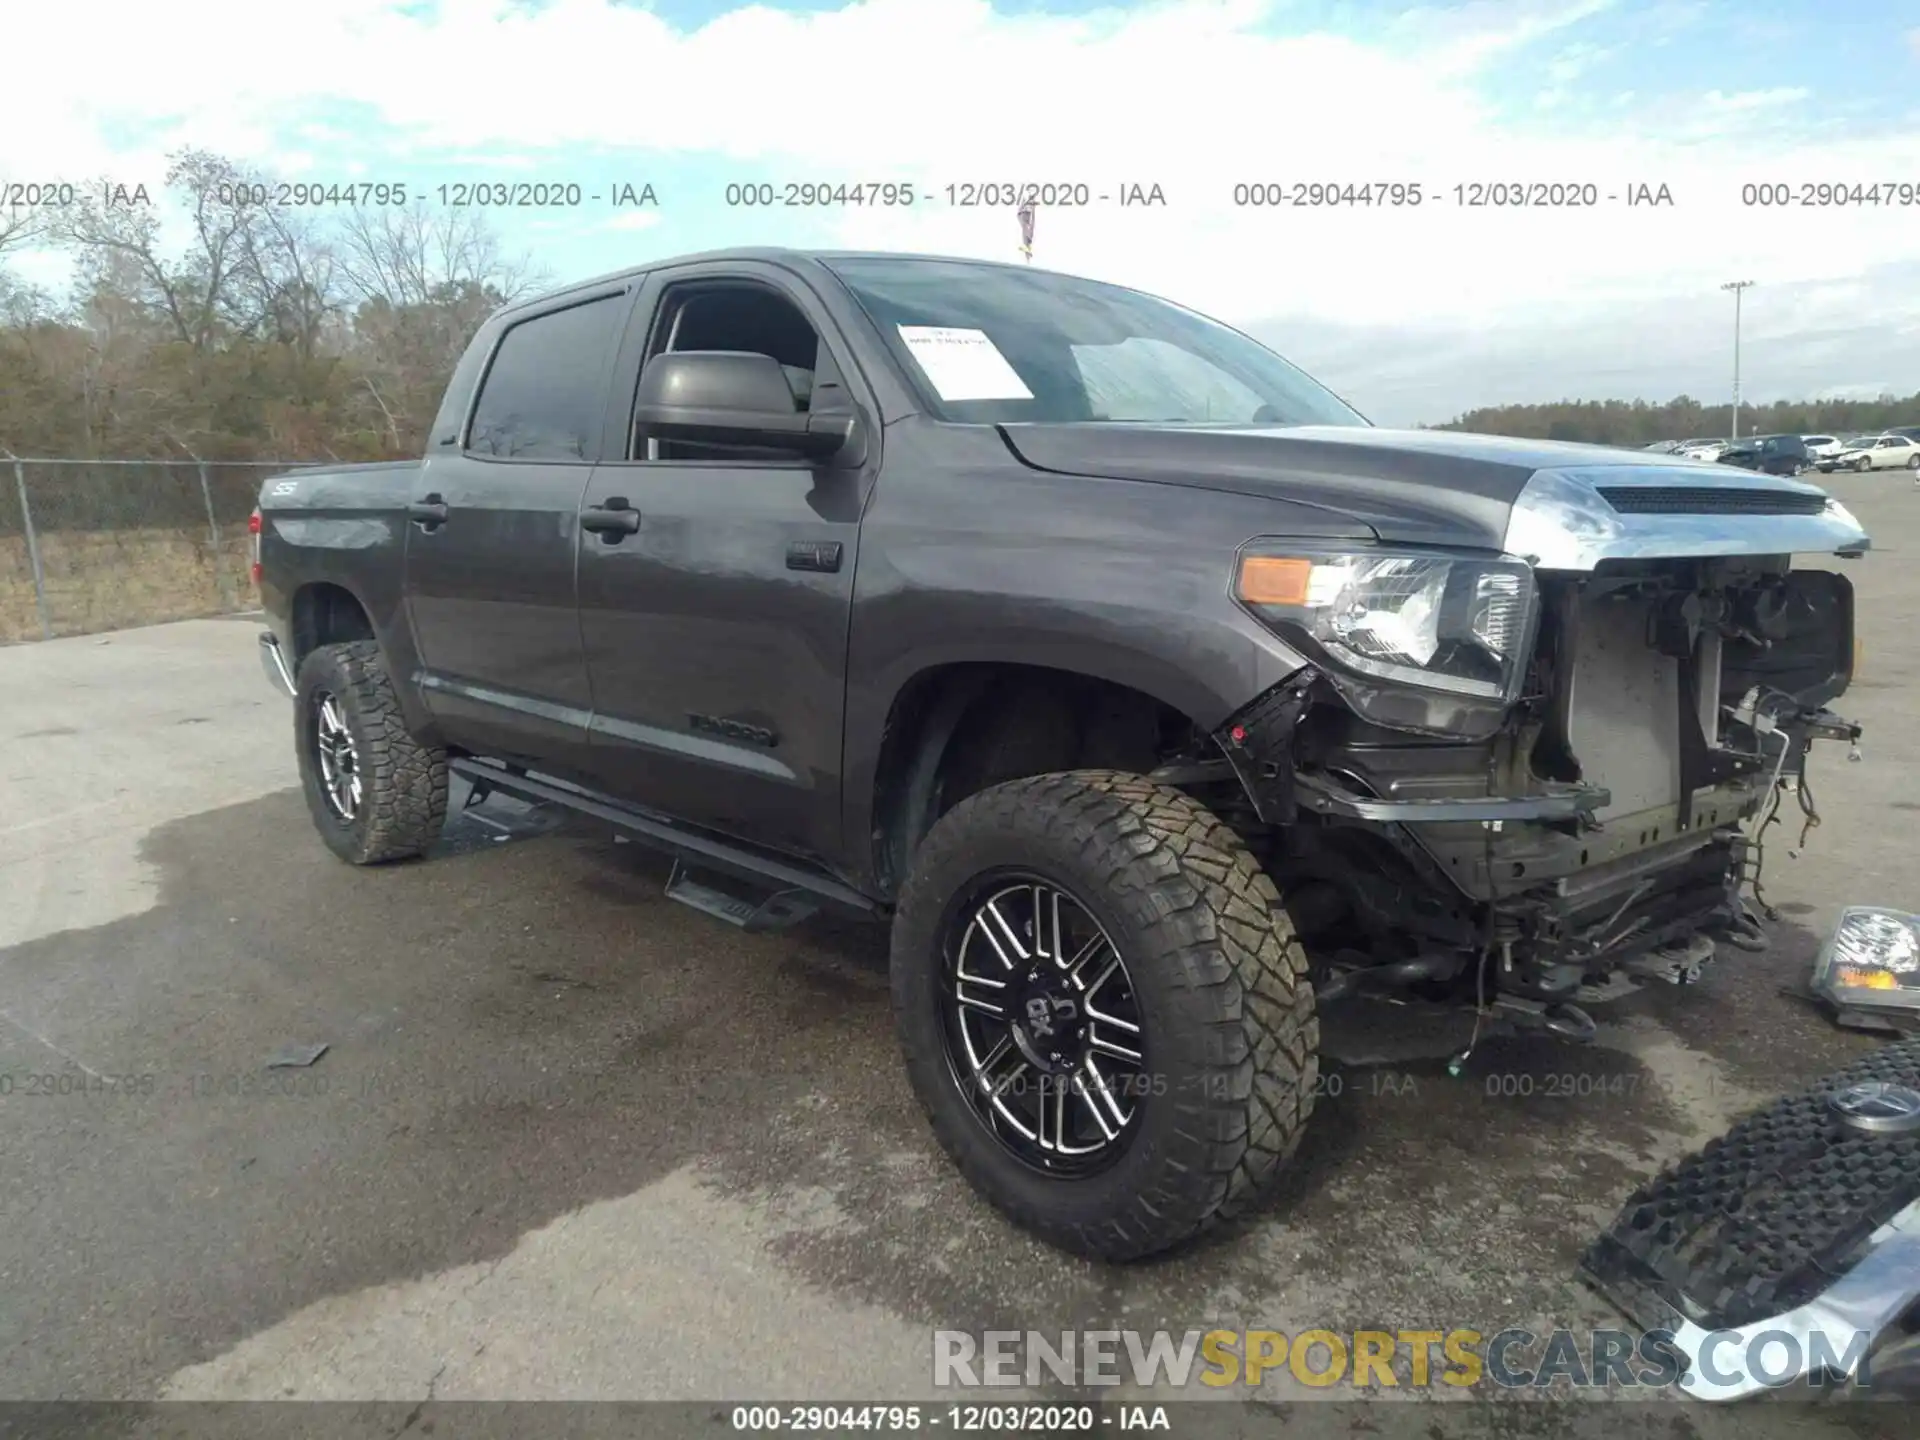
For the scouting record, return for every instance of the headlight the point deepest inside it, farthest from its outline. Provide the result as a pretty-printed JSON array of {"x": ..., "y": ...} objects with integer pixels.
[
  {"x": 1871, "y": 960},
  {"x": 1455, "y": 624}
]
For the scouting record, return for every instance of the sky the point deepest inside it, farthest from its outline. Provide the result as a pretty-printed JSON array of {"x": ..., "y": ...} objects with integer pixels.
[{"x": 1413, "y": 312}]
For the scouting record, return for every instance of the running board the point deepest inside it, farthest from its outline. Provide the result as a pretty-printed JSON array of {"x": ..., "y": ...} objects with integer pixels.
[{"x": 790, "y": 883}]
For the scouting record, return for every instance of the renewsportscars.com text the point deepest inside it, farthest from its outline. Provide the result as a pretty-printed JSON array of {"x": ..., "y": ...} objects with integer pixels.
[{"x": 1413, "y": 1359}]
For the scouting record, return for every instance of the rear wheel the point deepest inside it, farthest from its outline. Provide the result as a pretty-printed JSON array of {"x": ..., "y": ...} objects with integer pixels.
[
  {"x": 1104, "y": 1009},
  {"x": 375, "y": 793}
]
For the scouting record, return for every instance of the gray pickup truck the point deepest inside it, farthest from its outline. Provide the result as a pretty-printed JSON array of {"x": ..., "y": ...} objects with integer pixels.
[{"x": 1154, "y": 697}]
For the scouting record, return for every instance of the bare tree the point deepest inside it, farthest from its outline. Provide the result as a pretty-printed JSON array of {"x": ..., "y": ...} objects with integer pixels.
[
  {"x": 118, "y": 248},
  {"x": 20, "y": 226},
  {"x": 286, "y": 281},
  {"x": 268, "y": 330},
  {"x": 418, "y": 255}
]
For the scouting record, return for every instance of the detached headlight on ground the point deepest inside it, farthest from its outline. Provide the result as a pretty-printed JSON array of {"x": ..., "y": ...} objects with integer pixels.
[
  {"x": 1455, "y": 624},
  {"x": 1871, "y": 961}
]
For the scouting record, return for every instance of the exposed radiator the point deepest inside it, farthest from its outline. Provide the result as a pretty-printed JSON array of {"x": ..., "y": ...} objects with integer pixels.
[{"x": 1624, "y": 720}]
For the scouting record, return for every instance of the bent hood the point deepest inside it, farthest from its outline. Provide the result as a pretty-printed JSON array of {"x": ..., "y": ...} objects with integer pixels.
[{"x": 1568, "y": 506}]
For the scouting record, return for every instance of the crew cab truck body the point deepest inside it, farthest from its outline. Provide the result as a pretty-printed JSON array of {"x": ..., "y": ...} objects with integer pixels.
[{"x": 1152, "y": 695}]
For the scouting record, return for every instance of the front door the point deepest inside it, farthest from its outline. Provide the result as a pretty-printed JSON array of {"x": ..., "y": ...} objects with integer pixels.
[
  {"x": 716, "y": 618},
  {"x": 492, "y": 539}
]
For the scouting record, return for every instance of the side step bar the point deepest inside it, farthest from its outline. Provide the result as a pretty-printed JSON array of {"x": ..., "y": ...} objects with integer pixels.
[
  {"x": 791, "y": 892},
  {"x": 781, "y": 910}
]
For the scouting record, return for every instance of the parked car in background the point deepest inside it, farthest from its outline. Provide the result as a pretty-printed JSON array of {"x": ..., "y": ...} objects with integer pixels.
[
  {"x": 1703, "y": 449},
  {"x": 1821, "y": 446},
  {"x": 1912, "y": 432},
  {"x": 1773, "y": 454},
  {"x": 1878, "y": 452},
  {"x": 1664, "y": 447},
  {"x": 1837, "y": 459}
]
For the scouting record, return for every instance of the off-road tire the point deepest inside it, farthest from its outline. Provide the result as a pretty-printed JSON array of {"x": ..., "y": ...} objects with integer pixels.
[
  {"x": 404, "y": 783},
  {"x": 1220, "y": 978}
]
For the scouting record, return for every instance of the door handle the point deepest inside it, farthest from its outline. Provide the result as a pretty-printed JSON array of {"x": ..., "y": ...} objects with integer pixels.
[
  {"x": 614, "y": 519},
  {"x": 429, "y": 513}
]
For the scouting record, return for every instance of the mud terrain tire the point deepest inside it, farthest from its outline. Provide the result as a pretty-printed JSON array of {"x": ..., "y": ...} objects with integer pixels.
[
  {"x": 1218, "y": 976},
  {"x": 402, "y": 784}
]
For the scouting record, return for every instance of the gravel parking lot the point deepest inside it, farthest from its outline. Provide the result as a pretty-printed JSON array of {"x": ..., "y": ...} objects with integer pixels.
[{"x": 570, "y": 1139}]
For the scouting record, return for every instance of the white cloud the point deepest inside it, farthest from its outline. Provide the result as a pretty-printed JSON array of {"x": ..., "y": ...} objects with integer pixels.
[
  {"x": 632, "y": 220},
  {"x": 1741, "y": 102},
  {"x": 1194, "y": 95}
]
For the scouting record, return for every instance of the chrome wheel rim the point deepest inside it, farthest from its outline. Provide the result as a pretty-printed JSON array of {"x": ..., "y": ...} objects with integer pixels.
[
  {"x": 339, "y": 757},
  {"x": 1043, "y": 1030}
]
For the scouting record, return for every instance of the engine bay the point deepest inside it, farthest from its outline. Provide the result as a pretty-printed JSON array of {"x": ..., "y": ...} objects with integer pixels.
[{"x": 1676, "y": 702}]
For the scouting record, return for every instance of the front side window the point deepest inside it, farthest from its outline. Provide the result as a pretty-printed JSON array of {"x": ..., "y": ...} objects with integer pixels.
[
  {"x": 745, "y": 317},
  {"x": 1001, "y": 344},
  {"x": 544, "y": 396}
]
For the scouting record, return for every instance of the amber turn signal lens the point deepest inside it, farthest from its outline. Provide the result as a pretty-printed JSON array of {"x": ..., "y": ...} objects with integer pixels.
[{"x": 1274, "y": 580}]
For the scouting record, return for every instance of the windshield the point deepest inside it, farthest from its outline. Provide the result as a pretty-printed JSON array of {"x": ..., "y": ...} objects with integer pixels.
[{"x": 999, "y": 344}]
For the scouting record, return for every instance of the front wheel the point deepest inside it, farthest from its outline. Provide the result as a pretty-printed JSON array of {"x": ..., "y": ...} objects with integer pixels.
[
  {"x": 375, "y": 792},
  {"x": 1862, "y": 465},
  {"x": 1105, "y": 1011},
  {"x": 1913, "y": 462}
]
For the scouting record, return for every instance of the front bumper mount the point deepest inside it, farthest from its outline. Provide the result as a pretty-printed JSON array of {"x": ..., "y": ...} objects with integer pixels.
[{"x": 1258, "y": 745}]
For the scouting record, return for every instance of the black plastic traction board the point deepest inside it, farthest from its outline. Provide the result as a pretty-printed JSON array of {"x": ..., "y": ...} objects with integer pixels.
[{"x": 1766, "y": 1217}]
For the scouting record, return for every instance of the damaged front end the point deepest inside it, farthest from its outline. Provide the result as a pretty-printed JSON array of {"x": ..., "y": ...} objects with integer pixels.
[{"x": 1543, "y": 779}]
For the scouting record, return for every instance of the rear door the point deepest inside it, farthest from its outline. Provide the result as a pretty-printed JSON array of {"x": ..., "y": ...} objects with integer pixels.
[
  {"x": 493, "y": 534},
  {"x": 716, "y": 631}
]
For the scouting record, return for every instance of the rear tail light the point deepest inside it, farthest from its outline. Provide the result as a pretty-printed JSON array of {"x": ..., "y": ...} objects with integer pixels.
[{"x": 253, "y": 532}]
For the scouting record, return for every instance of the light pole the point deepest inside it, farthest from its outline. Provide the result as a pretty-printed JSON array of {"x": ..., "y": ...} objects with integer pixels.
[{"x": 1736, "y": 286}]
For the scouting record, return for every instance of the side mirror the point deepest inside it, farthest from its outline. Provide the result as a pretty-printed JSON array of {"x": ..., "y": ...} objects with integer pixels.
[{"x": 734, "y": 397}]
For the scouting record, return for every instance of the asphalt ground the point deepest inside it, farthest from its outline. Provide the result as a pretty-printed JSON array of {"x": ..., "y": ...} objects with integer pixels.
[{"x": 570, "y": 1140}]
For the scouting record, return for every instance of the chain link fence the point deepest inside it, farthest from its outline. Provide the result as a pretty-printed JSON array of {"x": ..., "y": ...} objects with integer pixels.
[{"x": 91, "y": 545}]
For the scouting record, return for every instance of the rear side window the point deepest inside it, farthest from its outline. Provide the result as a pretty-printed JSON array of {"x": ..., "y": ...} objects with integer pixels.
[{"x": 545, "y": 394}]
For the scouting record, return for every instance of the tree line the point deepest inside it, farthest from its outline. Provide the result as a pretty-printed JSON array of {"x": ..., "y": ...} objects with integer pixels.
[
  {"x": 1636, "y": 423},
  {"x": 271, "y": 333},
  {"x": 279, "y": 333}
]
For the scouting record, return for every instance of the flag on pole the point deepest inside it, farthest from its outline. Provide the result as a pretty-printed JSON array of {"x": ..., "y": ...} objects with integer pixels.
[{"x": 1026, "y": 230}]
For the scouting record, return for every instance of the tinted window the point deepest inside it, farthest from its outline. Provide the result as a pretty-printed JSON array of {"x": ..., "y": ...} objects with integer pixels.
[
  {"x": 1004, "y": 344},
  {"x": 544, "y": 397}
]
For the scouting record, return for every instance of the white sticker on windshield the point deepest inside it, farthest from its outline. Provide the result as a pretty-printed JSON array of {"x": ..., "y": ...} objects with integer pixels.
[{"x": 963, "y": 364}]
